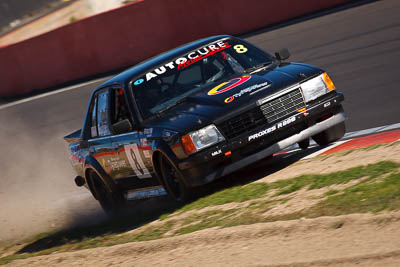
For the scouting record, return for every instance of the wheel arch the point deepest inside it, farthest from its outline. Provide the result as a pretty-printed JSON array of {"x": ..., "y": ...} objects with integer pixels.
[
  {"x": 156, "y": 164},
  {"x": 89, "y": 180},
  {"x": 92, "y": 167}
]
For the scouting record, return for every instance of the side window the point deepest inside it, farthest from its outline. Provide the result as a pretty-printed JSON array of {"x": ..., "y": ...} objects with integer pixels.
[
  {"x": 93, "y": 124},
  {"x": 119, "y": 107},
  {"x": 102, "y": 114}
]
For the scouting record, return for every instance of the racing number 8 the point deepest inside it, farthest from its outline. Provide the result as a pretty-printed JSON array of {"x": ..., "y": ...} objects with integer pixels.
[{"x": 240, "y": 49}]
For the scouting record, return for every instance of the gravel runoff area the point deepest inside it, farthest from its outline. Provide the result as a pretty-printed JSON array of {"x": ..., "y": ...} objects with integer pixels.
[{"x": 347, "y": 240}]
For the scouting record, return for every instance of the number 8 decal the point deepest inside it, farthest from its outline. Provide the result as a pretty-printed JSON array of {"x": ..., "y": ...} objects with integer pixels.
[
  {"x": 240, "y": 49},
  {"x": 136, "y": 162}
]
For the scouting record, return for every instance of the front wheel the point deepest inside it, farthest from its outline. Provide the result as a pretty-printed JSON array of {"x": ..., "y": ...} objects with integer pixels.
[
  {"x": 173, "y": 181},
  {"x": 330, "y": 135},
  {"x": 304, "y": 144}
]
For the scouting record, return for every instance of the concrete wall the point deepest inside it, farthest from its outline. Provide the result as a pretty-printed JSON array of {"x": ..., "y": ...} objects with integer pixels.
[{"x": 130, "y": 34}]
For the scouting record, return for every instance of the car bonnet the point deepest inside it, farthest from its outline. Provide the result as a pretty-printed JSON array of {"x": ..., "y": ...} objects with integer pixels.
[{"x": 225, "y": 97}]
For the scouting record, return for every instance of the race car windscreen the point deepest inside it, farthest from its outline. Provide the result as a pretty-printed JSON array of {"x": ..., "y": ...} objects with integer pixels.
[{"x": 167, "y": 85}]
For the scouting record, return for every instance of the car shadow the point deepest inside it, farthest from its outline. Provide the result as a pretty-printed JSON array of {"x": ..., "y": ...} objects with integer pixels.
[
  {"x": 258, "y": 170},
  {"x": 139, "y": 213}
]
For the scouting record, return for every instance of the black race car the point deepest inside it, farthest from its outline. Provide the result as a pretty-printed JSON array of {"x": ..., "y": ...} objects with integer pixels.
[{"x": 196, "y": 113}]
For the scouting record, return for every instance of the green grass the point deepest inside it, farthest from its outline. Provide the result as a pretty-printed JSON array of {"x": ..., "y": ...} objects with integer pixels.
[
  {"x": 316, "y": 181},
  {"x": 331, "y": 192},
  {"x": 378, "y": 190},
  {"x": 363, "y": 197},
  {"x": 229, "y": 195},
  {"x": 128, "y": 1},
  {"x": 206, "y": 220},
  {"x": 72, "y": 19},
  {"x": 8, "y": 259},
  {"x": 393, "y": 144}
]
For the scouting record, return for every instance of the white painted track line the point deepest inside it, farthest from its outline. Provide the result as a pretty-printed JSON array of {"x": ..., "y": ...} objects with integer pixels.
[
  {"x": 363, "y": 132},
  {"x": 347, "y": 137},
  {"x": 390, "y": 127}
]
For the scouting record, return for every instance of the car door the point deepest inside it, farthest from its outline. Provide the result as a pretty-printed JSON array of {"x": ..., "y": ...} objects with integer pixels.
[{"x": 135, "y": 173}]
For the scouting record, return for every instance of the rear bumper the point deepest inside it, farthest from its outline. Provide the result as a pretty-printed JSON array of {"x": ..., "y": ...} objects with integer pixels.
[{"x": 264, "y": 141}]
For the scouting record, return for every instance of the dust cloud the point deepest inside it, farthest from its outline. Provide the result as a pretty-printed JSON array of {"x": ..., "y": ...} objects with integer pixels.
[{"x": 37, "y": 191}]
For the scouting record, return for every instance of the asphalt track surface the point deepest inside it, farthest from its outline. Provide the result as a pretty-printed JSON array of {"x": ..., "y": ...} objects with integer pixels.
[{"x": 359, "y": 47}]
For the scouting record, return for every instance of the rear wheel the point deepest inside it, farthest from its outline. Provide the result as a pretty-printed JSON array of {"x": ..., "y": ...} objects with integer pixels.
[
  {"x": 330, "y": 135},
  {"x": 173, "y": 181},
  {"x": 111, "y": 202}
]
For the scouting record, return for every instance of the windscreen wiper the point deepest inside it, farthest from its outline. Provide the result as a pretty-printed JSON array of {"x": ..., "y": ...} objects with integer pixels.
[
  {"x": 180, "y": 101},
  {"x": 259, "y": 67}
]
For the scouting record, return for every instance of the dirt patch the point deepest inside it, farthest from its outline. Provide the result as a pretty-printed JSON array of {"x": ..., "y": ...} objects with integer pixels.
[
  {"x": 346, "y": 240},
  {"x": 337, "y": 162},
  {"x": 328, "y": 241}
]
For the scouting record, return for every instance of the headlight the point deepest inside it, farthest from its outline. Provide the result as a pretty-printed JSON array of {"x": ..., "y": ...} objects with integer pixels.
[
  {"x": 202, "y": 138},
  {"x": 317, "y": 87}
]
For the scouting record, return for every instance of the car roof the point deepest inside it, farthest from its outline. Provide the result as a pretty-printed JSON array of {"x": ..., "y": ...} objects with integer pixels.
[{"x": 125, "y": 76}]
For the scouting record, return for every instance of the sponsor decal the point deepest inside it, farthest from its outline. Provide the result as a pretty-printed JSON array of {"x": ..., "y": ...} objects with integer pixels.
[
  {"x": 148, "y": 131},
  {"x": 146, "y": 154},
  {"x": 303, "y": 111},
  {"x": 202, "y": 54},
  {"x": 215, "y": 153},
  {"x": 116, "y": 164},
  {"x": 93, "y": 131},
  {"x": 75, "y": 155},
  {"x": 247, "y": 90},
  {"x": 226, "y": 86},
  {"x": 144, "y": 142},
  {"x": 229, "y": 99},
  {"x": 168, "y": 133},
  {"x": 137, "y": 82},
  {"x": 185, "y": 61},
  {"x": 272, "y": 128},
  {"x": 145, "y": 146}
]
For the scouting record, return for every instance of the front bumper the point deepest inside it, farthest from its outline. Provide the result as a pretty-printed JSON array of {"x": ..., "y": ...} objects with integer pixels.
[{"x": 262, "y": 142}]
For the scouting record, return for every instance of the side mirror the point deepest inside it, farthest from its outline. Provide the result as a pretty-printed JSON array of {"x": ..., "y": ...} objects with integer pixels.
[
  {"x": 282, "y": 54},
  {"x": 121, "y": 127}
]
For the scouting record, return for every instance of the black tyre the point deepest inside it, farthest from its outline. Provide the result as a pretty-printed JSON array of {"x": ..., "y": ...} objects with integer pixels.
[
  {"x": 330, "y": 135},
  {"x": 173, "y": 181},
  {"x": 111, "y": 202},
  {"x": 304, "y": 144}
]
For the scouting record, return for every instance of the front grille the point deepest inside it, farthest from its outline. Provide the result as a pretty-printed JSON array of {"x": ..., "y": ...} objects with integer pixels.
[
  {"x": 243, "y": 123},
  {"x": 267, "y": 113},
  {"x": 283, "y": 105}
]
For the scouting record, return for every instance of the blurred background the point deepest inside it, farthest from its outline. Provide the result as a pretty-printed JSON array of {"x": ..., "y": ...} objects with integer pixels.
[{"x": 21, "y": 19}]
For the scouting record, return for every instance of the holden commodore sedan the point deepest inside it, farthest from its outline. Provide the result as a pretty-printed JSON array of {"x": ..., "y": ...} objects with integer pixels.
[{"x": 196, "y": 113}]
